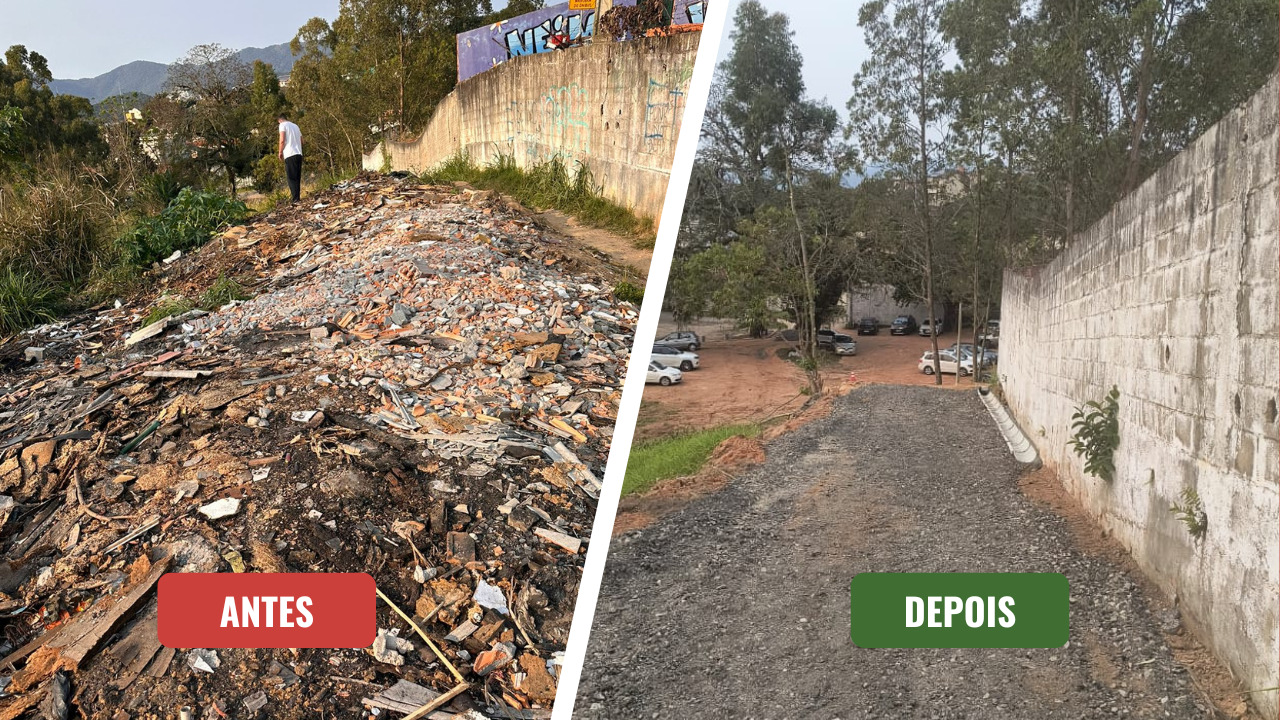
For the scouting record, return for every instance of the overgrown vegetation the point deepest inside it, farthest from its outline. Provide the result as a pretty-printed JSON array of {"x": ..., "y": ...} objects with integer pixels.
[
  {"x": 657, "y": 460},
  {"x": 1190, "y": 511},
  {"x": 188, "y": 222},
  {"x": 168, "y": 306},
  {"x": 548, "y": 184},
  {"x": 629, "y": 292},
  {"x": 1096, "y": 427},
  {"x": 25, "y": 299},
  {"x": 223, "y": 291}
]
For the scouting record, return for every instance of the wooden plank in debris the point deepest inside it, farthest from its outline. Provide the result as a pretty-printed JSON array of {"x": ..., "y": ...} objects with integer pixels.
[
  {"x": 147, "y": 332},
  {"x": 178, "y": 374},
  {"x": 159, "y": 667},
  {"x": 136, "y": 650},
  {"x": 79, "y": 637},
  {"x": 403, "y": 697}
]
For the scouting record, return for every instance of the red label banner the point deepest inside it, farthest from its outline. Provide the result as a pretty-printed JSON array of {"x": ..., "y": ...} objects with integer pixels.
[{"x": 266, "y": 610}]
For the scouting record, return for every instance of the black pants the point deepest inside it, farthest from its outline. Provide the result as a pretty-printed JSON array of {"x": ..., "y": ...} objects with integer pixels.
[{"x": 293, "y": 173}]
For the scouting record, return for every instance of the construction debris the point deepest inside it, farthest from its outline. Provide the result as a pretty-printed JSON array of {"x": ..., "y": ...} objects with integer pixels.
[{"x": 423, "y": 387}]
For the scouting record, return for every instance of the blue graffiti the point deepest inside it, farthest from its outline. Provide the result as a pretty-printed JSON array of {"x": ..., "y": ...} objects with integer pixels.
[
  {"x": 695, "y": 11},
  {"x": 534, "y": 40}
]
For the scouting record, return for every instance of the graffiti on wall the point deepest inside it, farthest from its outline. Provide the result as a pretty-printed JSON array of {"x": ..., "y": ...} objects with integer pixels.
[
  {"x": 664, "y": 107},
  {"x": 483, "y": 48},
  {"x": 553, "y": 125},
  {"x": 688, "y": 11}
]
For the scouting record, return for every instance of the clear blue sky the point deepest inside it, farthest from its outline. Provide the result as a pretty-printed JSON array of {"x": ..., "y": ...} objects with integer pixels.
[
  {"x": 827, "y": 33},
  {"x": 85, "y": 38}
]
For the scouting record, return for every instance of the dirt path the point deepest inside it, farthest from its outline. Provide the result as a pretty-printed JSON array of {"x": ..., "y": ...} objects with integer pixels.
[
  {"x": 746, "y": 380},
  {"x": 621, "y": 250},
  {"x": 737, "y": 605}
]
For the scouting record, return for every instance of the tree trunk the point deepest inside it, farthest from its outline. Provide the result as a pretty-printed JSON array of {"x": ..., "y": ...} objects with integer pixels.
[
  {"x": 809, "y": 333},
  {"x": 1133, "y": 173}
]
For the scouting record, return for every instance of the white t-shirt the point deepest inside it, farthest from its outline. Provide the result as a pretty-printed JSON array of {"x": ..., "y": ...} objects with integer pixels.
[{"x": 292, "y": 139}]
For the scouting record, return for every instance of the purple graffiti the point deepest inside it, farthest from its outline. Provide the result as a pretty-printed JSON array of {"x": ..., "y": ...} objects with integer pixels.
[{"x": 483, "y": 48}]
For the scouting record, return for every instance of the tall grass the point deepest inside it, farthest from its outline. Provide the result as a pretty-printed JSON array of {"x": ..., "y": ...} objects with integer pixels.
[
  {"x": 548, "y": 184},
  {"x": 677, "y": 456},
  {"x": 56, "y": 227},
  {"x": 26, "y": 299}
]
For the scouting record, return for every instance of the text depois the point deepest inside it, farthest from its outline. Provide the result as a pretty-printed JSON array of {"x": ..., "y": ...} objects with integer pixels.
[
  {"x": 267, "y": 611},
  {"x": 977, "y": 611}
]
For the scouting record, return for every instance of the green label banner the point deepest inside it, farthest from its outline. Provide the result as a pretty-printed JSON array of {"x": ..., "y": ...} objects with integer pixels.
[{"x": 959, "y": 610}]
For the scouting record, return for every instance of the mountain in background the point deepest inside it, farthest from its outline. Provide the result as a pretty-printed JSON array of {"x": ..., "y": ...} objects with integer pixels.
[{"x": 147, "y": 78}]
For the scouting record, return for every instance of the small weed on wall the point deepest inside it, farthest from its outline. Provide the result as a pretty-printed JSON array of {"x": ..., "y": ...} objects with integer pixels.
[
  {"x": 1096, "y": 427},
  {"x": 1191, "y": 512}
]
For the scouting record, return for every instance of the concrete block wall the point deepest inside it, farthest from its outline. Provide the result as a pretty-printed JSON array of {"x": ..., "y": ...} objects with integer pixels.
[
  {"x": 1172, "y": 298},
  {"x": 614, "y": 106}
]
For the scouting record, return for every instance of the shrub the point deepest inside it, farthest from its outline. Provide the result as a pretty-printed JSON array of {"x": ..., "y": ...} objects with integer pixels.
[
  {"x": 1097, "y": 434},
  {"x": 188, "y": 222},
  {"x": 26, "y": 299},
  {"x": 628, "y": 292},
  {"x": 268, "y": 174}
]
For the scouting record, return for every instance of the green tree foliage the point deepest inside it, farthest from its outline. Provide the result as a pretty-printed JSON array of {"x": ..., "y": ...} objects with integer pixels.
[
  {"x": 50, "y": 122},
  {"x": 208, "y": 117},
  {"x": 380, "y": 68}
]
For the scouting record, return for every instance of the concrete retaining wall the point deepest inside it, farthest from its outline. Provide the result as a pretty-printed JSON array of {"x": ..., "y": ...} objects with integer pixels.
[
  {"x": 1172, "y": 298},
  {"x": 614, "y": 106}
]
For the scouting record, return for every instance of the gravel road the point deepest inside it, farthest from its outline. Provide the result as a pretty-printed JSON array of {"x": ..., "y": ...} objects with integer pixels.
[{"x": 737, "y": 606}]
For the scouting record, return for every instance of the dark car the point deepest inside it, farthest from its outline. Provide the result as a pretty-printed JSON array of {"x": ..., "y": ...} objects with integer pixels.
[
  {"x": 684, "y": 340},
  {"x": 868, "y": 326},
  {"x": 904, "y": 325}
]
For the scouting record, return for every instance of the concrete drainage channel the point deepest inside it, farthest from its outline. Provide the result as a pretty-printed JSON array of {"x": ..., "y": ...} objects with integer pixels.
[{"x": 1021, "y": 447}]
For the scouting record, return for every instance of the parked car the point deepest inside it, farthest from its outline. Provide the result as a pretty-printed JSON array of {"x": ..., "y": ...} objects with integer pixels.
[
  {"x": 868, "y": 326},
  {"x": 844, "y": 345},
  {"x": 989, "y": 356},
  {"x": 667, "y": 356},
  {"x": 662, "y": 375},
  {"x": 946, "y": 363},
  {"x": 826, "y": 337},
  {"x": 683, "y": 339},
  {"x": 904, "y": 325},
  {"x": 991, "y": 335},
  {"x": 930, "y": 327}
]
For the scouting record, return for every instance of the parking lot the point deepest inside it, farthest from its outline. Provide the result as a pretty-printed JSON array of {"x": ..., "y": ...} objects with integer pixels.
[{"x": 744, "y": 379}]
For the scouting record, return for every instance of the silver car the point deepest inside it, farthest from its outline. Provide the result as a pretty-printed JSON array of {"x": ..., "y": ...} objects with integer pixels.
[
  {"x": 682, "y": 340},
  {"x": 668, "y": 356},
  {"x": 844, "y": 345}
]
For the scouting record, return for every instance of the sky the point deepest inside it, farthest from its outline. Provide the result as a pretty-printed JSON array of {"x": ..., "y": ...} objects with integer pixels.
[
  {"x": 830, "y": 41},
  {"x": 85, "y": 38}
]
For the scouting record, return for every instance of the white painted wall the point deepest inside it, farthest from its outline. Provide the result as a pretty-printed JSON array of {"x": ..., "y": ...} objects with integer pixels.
[{"x": 1173, "y": 298}]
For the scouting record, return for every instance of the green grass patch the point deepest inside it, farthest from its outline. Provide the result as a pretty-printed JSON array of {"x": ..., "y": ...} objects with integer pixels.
[
  {"x": 676, "y": 456},
  {"x": 26, "y": 299},
  {"x": 168, "y": 306},
  {"x": 549, "y": 184},
  {"x": 223, "y": 291}
]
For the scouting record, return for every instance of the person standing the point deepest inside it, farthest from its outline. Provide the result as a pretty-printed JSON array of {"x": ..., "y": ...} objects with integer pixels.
[{"x": 291, "y": 153}]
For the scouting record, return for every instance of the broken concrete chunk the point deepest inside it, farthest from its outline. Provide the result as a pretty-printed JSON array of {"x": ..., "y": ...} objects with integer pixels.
[
  {"x": 461, "y": 547},
  {"x": 203, "y": 660},
  {"x": 568, "y": 542},
  {"x": 522, "y": 518},
  {"x": 221, "y": 508},
  {"x": 390, "y": 649}
]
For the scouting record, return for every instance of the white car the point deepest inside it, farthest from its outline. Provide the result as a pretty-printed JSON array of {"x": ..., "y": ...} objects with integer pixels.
[
  {"x": 662, "y": 375},
  {"x": 946, "y": 362},
  {"x": 673, "y": 357},
  {"x": 930, "y": 327},
  {"x": 844, "y": 345}
]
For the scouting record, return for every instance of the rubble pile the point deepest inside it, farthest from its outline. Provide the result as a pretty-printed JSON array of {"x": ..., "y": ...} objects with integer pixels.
[{"x": 422, "y": 388}]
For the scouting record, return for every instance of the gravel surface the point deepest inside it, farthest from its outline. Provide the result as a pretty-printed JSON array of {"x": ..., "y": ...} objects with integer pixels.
[{"x": 738, "y": 605}]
